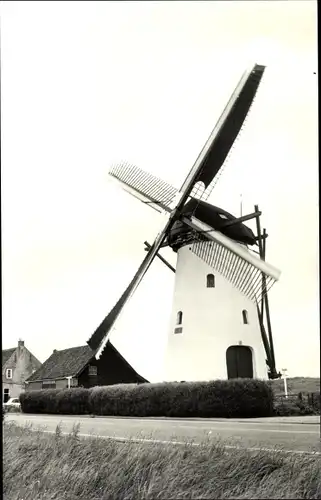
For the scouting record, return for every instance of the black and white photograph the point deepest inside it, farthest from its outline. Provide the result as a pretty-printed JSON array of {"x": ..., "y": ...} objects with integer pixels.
[{"x": 160, "y": 250}]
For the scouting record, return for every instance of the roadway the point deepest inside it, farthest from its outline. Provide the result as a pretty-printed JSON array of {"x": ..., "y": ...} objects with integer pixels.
[{"x": 291, "y": 435}]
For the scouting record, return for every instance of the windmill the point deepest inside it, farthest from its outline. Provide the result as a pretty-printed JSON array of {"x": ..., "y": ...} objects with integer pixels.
[{"x": 220, "y": 297}]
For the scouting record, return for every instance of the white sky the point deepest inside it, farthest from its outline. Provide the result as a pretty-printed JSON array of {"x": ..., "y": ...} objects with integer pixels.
[{"x": 87, "y": 83}]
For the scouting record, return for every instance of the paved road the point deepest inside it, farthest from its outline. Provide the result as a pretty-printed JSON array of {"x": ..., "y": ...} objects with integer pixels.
[{"x": 251, "y": 434}]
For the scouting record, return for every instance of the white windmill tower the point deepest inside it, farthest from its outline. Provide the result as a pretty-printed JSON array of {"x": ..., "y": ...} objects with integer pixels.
[{"x": 217, "y": 323}]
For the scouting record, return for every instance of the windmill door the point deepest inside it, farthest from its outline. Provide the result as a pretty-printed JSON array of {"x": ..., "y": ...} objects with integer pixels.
[{"x": 239, "y": 362}]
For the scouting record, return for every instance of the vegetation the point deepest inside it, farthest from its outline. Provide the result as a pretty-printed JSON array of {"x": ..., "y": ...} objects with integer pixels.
[
  {"x": 296, "y": 385},
  {"x": 294, "y": 406},
  {"x": 67, "y": 401},
  {"x": 240, "y": 398},
  {"x": 303, "y": 396},
  {"x": 38, "y": 466}
]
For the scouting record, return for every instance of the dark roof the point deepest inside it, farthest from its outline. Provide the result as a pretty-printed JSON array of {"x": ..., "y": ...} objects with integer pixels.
[
  {"x": 60, "y": 364},
  {"x": 213, "y": 216},
  {"x": 6, "y": 354}
]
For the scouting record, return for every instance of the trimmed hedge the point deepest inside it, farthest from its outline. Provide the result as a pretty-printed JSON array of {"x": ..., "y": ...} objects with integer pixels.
[
  {"x": 65, "y": 401},
  {"x": 239, "y": 398}
]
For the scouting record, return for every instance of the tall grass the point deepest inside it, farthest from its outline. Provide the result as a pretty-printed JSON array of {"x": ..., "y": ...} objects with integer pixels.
[{"x": 41, "y": 466}]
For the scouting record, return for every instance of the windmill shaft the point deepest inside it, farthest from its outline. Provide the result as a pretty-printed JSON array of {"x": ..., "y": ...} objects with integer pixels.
[
  {"x": 103, "y": 335},
  {"x": 242, "y": 219},
  {"x": 148, "y": 246}
]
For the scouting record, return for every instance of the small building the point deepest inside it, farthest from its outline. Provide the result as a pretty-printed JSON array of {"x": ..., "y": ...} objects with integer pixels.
[
  {"x": 18, "y": 363},
  {"x": 78, "y": 367}
]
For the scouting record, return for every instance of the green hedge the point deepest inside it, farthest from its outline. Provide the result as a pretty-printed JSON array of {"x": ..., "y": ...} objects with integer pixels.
[{"x": 221, "y": 398}]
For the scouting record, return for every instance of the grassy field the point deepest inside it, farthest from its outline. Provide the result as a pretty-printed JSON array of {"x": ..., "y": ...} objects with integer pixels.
[
  {"x": 296, "y": 385},
  {"x": 38, "y": 466}
]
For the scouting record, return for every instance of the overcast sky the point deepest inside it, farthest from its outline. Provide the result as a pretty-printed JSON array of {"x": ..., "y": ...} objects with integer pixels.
[{"x": 86, "y": 83}]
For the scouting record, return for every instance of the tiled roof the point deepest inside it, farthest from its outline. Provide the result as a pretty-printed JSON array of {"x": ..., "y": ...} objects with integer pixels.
[
  {"x": 60, "y": 364},
  {"x": 6, "y": 354}
]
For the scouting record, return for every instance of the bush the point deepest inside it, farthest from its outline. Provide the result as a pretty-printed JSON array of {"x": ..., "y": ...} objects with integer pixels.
[
  {"x": 294, "y": 406},
  {"x": 228, "y": 398},
  {"x": 314, "y": 400},
  {"x": 65, "y": 401},
  {"x": 222, "y": 398}
]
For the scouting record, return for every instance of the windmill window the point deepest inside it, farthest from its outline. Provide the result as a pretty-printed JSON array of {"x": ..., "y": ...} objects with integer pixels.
[
  {"x": 8, "y": 373},
  {"x": 245, "y": 317},
  {"x": 223, "y": 216},
  {"x": 178, "y": 329},
  {"x": 210, "y": 281},
  {"x": 179, "y": 318}
]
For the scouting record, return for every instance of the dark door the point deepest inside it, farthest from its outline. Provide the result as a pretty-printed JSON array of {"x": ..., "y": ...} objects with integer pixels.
[{"x": 239, "y": 362}]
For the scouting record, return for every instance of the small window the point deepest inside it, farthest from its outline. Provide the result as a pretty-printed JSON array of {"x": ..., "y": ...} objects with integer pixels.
[
  {"x": 48, "y": 384},
  {"x": 92, "y": 371},
  {"x": 8, "y": 373},
  {"x": 210, "y": 281},
  {"x": 178, "y": 329},
  {"x": 179, "y": 318},
  {"x": 245, "y": 317},
  {"x": 223, "y": 216},
  {"x": 6, "y": 395}
]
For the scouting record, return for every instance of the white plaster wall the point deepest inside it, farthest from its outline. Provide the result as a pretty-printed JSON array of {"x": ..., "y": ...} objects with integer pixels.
[{"x": 212, "y": 321}]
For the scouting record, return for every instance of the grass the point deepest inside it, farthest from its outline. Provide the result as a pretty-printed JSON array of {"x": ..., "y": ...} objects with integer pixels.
[
  {"x": 40, "y": 466},
  {"x": 296, "y": 385}
]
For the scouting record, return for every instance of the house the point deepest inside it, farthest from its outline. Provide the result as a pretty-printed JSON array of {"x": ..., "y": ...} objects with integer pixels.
[
  {"x": 77, "y": 366},
  {"x": 18, "y": 363}
]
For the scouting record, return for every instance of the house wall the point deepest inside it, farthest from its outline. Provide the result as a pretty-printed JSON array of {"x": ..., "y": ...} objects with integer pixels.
[
  {"x": 60, "y": 384},
  {"x": 22, "y": 363},
  {"x": 111, "y": 369},
  {"x": 33, "y": 386}
]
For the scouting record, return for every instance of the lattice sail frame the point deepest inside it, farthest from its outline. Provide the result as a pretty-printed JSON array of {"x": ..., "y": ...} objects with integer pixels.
[
  {"x": 156, "y": 192},
  {"x": 159, "y": 192},
  {"x": 233, "y": 260},
  {"x": 242, "y": 274}
]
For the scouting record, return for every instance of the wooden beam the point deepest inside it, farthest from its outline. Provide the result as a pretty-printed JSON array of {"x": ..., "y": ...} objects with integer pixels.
[
  {"x": 263, "y": 257},
  {"x": 258, "y": 228},
  {"x": 265, "y": 300},
  {"x": 262, "y": 237},
  {"x": 241, "y": 219},
  {"x": 148, "y": 246}
]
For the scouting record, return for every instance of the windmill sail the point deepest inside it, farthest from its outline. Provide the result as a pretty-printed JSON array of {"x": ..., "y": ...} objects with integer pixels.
[
  {"x": 144, "y": 186},
  {"x": 161, "y": 195},
  {"x": 216, "y": 149},
  {"x": 158, "y": 193},
  {"x": 239, "y": 266}
]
